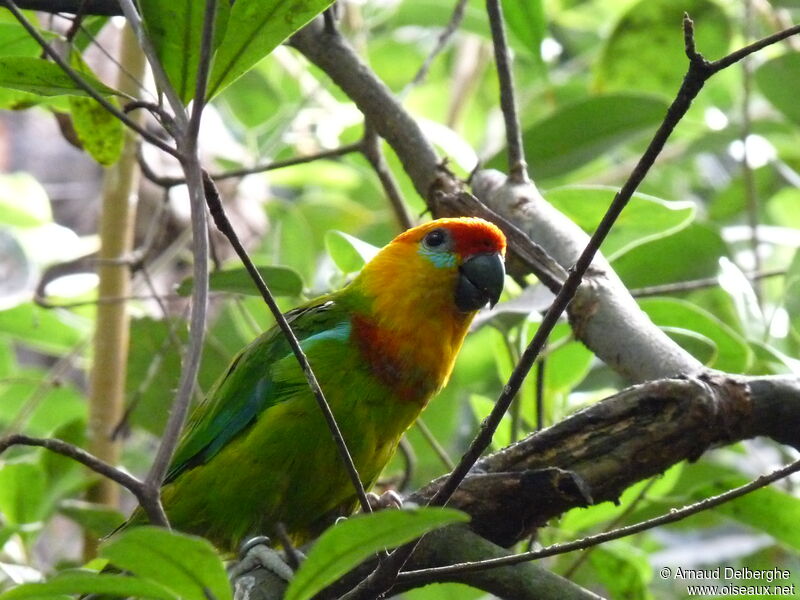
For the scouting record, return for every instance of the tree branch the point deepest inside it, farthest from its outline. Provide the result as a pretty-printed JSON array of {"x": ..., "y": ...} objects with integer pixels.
[
  {"x": 517, "y": 167},
  {"x": 441, "y": 43},
  {"x": 129, "y": 482},
  {"x": 371, "y": 149},
  {"x": 674, "y": 515},
  {"x": 169, "y": 182}
]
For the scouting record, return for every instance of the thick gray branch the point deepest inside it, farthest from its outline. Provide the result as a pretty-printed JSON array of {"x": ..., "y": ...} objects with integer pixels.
[
  {"x": 597, "y": 453},
  {"x": 603, "y": 314}
]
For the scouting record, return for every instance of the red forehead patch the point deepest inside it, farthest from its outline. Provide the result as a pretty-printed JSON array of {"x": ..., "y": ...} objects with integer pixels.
[{"x": 471, "y": 235}]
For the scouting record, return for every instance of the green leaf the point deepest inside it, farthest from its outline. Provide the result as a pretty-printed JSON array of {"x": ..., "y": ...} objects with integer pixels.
[
  {"x": 154, "y": 361},
  {"x": 42, "y": 77},
  {"x": 733, "y": 353},
  {"x": 567, "y": 365},
  {"x": 89, "y": 30},
  {"x": 66, "y": 477},
  {"x": 19, "y": 100},
  {"x": 731, "y": 201},
  {"x": 771, "y": 361},
  {"x": 579, "y": 520},
  {"x": 47, "y": 330},
  {"x": 255, "y": 28},
  {"x": 348, "y": 252},
  {"x": 22, "y": 486},
  {"x": 187, "y": 565},
  {"x": 691, "y": 253},
  {"x": 645, "y": 51},
  {"x": 350, "y": 542},
  {"x": 773, "y": 79},
  {"x": 101, "y": 133},
  {"x": 782, "y": 207},
  {"x": 176, "y": 30},
  {"x": 644, "y": 219},
  {"x": 282, "y": 281},
  {"x": 7, "y": 359},
  {"x": 46, "y": 407},
  {"x": 444, "y": 591},
  {"x": 437, "y": 13},
  {"x": 98, "y": 520},
  {"x": 768, "y": 509},
  {"x": 623, "y": 570},
  {"x": 526, "y": 20},
  {"x": 89, "y": 582},
  {"x": 696, "y": 344},
  {"x": 15, "y": 40},
  {"x": 580, "y": 132}
]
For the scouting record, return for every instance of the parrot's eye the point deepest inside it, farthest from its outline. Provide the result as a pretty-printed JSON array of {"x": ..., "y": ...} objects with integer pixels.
[{"x": 436, "y": 238}]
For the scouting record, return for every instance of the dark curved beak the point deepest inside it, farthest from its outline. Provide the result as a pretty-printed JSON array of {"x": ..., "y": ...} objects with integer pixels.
[{"x": 480, "y": 280}]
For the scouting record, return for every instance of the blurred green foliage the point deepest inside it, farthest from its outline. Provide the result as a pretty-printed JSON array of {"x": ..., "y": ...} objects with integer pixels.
[{"x": 594, "y": 79}]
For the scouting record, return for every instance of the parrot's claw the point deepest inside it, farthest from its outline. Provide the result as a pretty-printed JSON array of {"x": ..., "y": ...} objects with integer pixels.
[
  {"x": 247, "y": 545},
  {"x": 256, "y": 553},
  {"x": 388, "y": 499}
]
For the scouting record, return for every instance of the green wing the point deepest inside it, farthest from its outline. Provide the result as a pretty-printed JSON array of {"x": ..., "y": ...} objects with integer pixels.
[{"x": 248, "y": 387}]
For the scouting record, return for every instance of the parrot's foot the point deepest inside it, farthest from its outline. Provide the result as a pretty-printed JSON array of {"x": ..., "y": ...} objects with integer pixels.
[
  {"x": 255, "y": 553},
  {"x": 388, "y": 499}
]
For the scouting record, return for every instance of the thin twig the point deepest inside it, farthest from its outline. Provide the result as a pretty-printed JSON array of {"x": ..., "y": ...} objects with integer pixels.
[
  {"x": 541, "y": 365},
  {"x": 84, "y": 85},
  {"x": 133, "y": 80},
  {"x": 441, "y": 43},
  {"x": 55, "y": 374},
  {"x": 697, "y": 284},
  {"x": 168, "y": 182},
  {"x": 751, "y": 194},
  {"x": 410, "y": 459},
  {"x": 203, "y": 69},
  {"x": 517, "y": 167},
  {"x": 515, "y": 410},
  {"x": 292, "y": 556},
  {"x": 735, "y": 57},
  {"x": 224, "y": 225},
  {"x": 129, "y": 482},
  {"x": 159, "y": 75},
  {"x": 371, "y": 149},
  {"x": 185, "y": 134},
  {"x": 437, "y": 448},
  {"x": 436, "y": 573},
  {"x": 191, "y": 363}
]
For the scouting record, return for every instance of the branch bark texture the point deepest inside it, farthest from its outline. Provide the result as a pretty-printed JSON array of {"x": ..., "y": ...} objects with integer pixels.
[{"x": 597, "y": 453}]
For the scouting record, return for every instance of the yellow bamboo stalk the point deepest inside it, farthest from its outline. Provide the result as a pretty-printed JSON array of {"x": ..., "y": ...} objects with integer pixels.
[{"x": 107, "y": 382}]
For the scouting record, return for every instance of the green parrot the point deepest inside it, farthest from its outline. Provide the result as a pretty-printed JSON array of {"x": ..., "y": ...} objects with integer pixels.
[{"x": 258, "y": 451}]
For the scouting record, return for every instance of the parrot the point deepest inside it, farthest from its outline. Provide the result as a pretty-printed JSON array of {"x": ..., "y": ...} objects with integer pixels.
[{"x": 257, "y": 450}]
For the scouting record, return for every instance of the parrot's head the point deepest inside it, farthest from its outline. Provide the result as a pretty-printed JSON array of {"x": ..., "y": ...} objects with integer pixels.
[
  {"x": 446, "y": 265},
  {"x": 416, "y": 299},
  {"x": 465, "y": 252}
]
